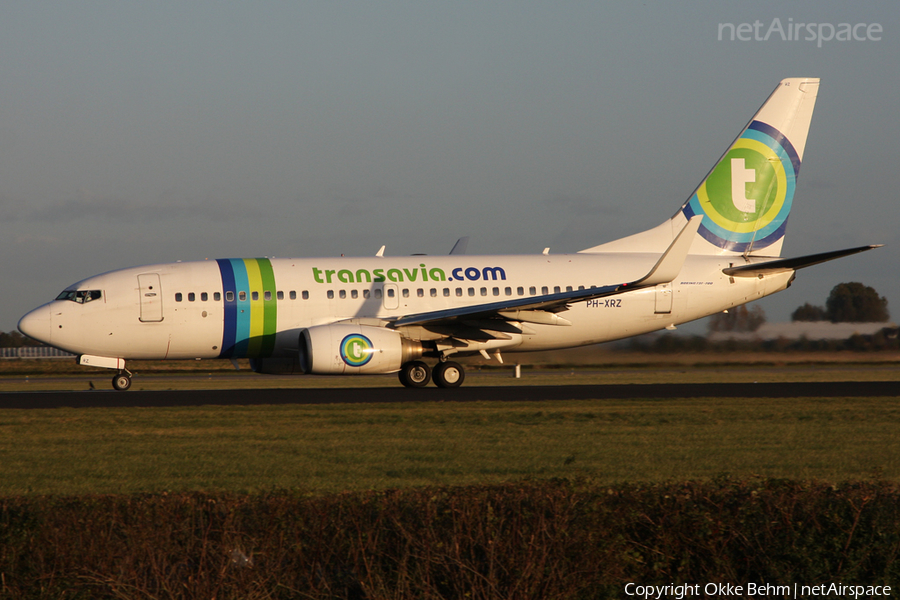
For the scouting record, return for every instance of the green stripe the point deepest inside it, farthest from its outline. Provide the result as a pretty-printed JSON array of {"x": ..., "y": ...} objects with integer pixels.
[{"x": 270, "y": 326}]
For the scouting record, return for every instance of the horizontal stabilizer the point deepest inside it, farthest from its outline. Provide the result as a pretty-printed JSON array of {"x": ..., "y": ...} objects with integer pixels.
[{"x": 792, "y": 264}]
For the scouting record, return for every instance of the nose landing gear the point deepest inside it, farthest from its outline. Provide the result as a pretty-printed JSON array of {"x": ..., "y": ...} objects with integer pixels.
[{"x": 122, "y": 380}]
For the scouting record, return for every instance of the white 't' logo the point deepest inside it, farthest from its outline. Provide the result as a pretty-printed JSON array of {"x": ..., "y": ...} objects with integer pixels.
[{"x": 740, "y": 177}]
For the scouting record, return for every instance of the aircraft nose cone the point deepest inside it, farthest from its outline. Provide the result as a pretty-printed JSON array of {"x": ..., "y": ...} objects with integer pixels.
[{"x": 36, "y": 324}]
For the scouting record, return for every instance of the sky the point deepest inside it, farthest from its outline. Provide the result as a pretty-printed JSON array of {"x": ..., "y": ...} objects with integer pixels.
[{"x": 139, "y": 133}]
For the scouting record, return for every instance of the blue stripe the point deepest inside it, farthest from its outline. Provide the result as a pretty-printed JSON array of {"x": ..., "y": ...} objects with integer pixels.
[
  {"x": 228, "y": 329},
  {"x": 780, "y": 140}
]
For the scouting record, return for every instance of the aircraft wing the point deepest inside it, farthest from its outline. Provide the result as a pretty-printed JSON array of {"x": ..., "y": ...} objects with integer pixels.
[
  {"x": 543, "y": 309},
  {"x": 792, "y": 264}
]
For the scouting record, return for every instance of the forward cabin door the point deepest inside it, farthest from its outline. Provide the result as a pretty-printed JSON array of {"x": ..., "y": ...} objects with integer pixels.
[{"x": 151, "y": 298}]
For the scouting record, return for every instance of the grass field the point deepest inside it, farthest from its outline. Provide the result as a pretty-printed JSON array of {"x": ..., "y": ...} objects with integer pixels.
[
  {"x": 554, "y": 499},
  {"x": 321, "y": 449}
]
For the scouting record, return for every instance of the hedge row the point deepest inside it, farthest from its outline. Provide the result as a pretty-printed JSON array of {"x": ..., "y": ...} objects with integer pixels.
[{"x": 554, "y": 539}]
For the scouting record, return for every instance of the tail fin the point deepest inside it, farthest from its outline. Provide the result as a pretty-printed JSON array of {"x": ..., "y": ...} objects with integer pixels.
[{"x": 746, "y": 198}]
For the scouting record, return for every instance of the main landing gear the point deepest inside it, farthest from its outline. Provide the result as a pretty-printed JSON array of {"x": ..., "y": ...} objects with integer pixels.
[{"x": 417, "y": 374}]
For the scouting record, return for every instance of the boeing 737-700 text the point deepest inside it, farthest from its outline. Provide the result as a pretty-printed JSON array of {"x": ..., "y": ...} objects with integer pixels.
[{"x": 357, "y": 316}]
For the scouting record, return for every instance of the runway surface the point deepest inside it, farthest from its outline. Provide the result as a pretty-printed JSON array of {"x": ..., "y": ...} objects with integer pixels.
[{"x": 244, "y": 397}]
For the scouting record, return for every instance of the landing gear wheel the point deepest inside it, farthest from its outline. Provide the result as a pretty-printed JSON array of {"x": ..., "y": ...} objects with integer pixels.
[
  {"x": 449, "y": 374},
  {"x": 122, "y": 381},
  {"x": 415, "y": 374}
]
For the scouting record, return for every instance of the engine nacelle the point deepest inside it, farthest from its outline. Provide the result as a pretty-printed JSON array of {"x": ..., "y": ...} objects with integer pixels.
[{"x": 354, "y": 349}]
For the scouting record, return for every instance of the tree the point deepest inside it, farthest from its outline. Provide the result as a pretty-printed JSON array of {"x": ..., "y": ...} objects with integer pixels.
[
  {"x": 14, "y": 339},
  {"x": 739, "y": 319},
  {"x": 808, "y": 312},
  {"x": 856, "y": 303}
]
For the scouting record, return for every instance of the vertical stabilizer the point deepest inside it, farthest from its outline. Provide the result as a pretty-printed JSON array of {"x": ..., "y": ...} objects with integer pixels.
[{"x": 746, "y": 198}]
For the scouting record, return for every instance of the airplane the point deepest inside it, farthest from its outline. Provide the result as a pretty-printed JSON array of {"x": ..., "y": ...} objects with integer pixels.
[{"x": 381, "y": 314}]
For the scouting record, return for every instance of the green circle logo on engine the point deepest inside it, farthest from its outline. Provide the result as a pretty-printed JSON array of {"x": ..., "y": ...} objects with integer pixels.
[{"x": 356, "y": 349}]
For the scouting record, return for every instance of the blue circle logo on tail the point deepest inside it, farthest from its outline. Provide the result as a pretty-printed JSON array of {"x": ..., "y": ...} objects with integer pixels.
[
  {"x": 747, "y": 197},
  {"x": 356, "y": 349}
]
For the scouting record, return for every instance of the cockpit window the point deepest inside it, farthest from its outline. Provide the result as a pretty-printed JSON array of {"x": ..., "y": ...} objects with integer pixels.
[{"x": 80, "y": 296}]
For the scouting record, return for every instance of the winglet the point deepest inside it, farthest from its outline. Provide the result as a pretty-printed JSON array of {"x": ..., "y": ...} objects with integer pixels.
[{"x": 669, "y": 264}]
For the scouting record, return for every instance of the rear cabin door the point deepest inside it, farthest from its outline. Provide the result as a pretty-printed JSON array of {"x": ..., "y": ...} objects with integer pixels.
[
  {"x": 664, "y": 298},
  {"x": 151, "y": 298}
]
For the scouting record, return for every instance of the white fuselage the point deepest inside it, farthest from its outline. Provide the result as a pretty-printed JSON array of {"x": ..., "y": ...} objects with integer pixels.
[{"x": 256, "y": 307}]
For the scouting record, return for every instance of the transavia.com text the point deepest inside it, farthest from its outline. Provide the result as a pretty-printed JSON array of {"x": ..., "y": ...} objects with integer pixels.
[{"x": 724, "y": 590}]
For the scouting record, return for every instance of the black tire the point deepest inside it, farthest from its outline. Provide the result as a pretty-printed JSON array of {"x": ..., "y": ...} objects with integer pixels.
[
  {"x": 121, "y": 382},
  {"x": 415, "y": 374},
  {"x": 449, "y": 374}
]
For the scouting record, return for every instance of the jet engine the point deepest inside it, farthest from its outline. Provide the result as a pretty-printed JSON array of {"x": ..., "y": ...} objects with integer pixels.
[{"x": 341, "y": 349}]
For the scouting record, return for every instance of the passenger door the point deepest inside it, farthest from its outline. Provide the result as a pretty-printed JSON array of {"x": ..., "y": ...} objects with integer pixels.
[{"x": 151, "y": 298}]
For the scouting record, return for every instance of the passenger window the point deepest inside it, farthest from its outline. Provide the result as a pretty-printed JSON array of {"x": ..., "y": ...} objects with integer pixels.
[
  {"x": 391, "y": 293},
  {"x": 330, "y": 294},
  {"x": 366, "y": 294},
  {"x": 434, "y": 292},
  {"x": 484, "y": 291},
  {"x": 520, "y": 291},
  {"x": 545, "y": 290},
  {"x": 292, "y": 295},
  {"x": 508, "y": 291},
  {"x": 459, "y": 291},
  {"x": 378, "y": 293},
  {"x": 471, "y": 291},
  {"x": 267, "y": 296},
  {"x": 191, "y": 297},
  {"x": 254, "y": 296},
  {"x": 420, "y": 293},
  {"x": 279, "y": 295},
  {"x": 229, "y": 296},
  {"x": 178, "y": 297},
  {"x": 217, "y": 296},
  {"x": 242, "y": 296},
  {"x": 580, "y": 287},
  {"x": 204, "y": 296},
  {"x": 305, "y": 295},
  {"x": 342, "y": 294},
  {"x": 568, "y": 288},
  {"x": 354, "y": 294},
  {"x": 496, "y": 291},
  {"x": 405, "y": 293},
  {"x": 446, "y": 292},
  {"x": 532, "y": 291}
]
